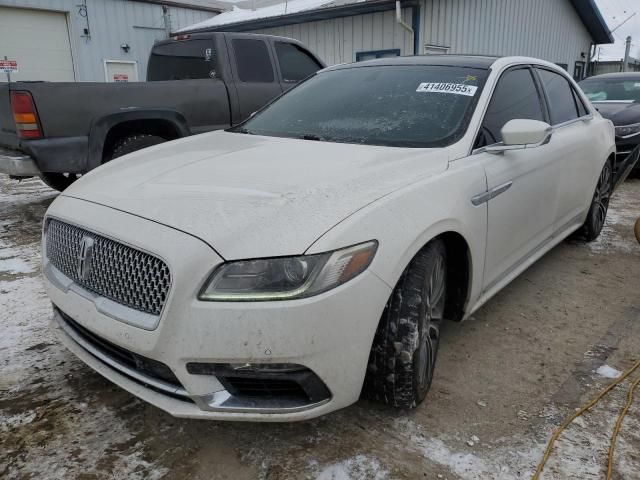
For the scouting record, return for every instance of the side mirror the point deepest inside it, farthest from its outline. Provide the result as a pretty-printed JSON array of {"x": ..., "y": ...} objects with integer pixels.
[{"x": 519, "y": 134}]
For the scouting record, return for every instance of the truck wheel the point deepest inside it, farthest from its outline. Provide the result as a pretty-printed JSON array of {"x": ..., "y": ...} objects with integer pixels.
[
  {"x": 599, "y": 206},
  {"x": 58, "y": 181},
  {"x": 132, "y": 143},
  {"x": 405, "y": 346}
]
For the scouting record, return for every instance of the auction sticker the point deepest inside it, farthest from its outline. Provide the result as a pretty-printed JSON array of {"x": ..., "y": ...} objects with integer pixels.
[{"x": 454, "y": 88}]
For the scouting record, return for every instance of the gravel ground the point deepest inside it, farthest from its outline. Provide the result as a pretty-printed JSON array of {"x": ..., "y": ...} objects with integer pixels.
[{"x": 542, "y": 347}]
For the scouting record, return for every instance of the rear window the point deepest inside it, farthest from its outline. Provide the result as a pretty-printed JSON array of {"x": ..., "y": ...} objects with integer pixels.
[
  {"x": 621, "y": 89},
  {"x": 182, "y": 60},
  {"x": 253, "y": 61},
  {"x": 562, "y": 104},
  {"x": 295, "y": 63}
]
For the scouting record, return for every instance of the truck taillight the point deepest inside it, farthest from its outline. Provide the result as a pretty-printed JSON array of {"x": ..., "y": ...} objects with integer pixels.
[{"x": 25, "y": 115}]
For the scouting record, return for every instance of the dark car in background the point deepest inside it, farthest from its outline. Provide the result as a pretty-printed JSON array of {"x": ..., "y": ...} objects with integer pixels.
[
  {"x": 617, "y": 97},
  {"x": 195, "y": 84}
]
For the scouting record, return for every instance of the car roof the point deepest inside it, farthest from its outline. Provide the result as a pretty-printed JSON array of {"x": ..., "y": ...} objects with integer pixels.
[
  {"x": 620, "y": 75},
  {"x": 471, "y": 61}
]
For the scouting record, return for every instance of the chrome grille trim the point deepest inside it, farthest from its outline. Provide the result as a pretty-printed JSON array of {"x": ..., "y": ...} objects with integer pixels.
[{"x": 121, "y": 273}]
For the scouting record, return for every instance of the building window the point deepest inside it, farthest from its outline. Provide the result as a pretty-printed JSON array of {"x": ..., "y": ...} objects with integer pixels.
[
  {"x": 563, "y": 66},
  {"x": 372, "y": 54}
]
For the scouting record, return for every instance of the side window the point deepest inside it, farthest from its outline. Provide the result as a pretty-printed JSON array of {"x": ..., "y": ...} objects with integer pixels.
[
  {"x": 562, "y": 104},
  {"x": 295, "y": 63},
  {"x": 515, "y": 96},
  {"x": 181, "y": 60},
  {"x": 252, "y": 60},
  {"x": 582, "y": 110}
]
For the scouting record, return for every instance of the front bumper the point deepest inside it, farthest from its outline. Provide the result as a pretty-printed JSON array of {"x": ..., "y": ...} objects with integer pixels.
[
  {"x": 17, "y": 164},
  {"x": 329, "y": 334}
]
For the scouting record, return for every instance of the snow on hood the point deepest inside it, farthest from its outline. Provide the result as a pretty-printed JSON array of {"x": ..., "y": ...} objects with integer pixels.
[
  {"x": 237, "y": 14},
  {"x": 252, "y": 196}
]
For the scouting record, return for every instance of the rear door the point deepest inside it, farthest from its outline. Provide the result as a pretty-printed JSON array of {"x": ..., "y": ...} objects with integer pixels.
[
  {"x": 255, "y": 76},
  {"x": 571, "y": 123},
  {"x": 294, "y": 63}
]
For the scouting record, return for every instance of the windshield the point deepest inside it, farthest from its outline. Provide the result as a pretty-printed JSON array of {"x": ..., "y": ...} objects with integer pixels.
[
  {"x": 400, "y": 105},
  {"x": 625, "y": 89}
]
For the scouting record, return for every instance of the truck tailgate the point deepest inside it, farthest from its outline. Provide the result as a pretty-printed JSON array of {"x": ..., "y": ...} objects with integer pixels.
[{"x": 8, "y": 136}]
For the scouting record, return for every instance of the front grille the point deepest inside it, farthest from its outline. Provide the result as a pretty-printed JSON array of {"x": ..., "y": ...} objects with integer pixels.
[
  {"x": 146, "y": 366},
  {"x": 115, "y": 271}
]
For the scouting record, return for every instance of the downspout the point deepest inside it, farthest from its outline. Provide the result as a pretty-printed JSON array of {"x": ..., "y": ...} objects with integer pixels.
[{"x": 403, "y": 24}]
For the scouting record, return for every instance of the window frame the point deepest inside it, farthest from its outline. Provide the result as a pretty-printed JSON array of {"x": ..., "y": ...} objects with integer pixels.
[
  {"x": 575, "y": 94},
  {"x": 541, "y": 99}
]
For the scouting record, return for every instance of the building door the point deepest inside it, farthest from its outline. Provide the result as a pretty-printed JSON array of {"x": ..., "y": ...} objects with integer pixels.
[
  {"x": 39, "y": 41},
  {"x": 578, "y": 71}
]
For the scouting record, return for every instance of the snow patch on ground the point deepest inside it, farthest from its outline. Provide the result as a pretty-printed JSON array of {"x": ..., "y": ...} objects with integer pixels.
[
  {"x": 360, "y": 467},
  {"x": 608, "y": 372},
  {"x": 14, "y": 265}
]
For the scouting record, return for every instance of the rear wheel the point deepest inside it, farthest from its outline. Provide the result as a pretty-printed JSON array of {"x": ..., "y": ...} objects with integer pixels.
[
  {"x": 59, "y": 181},
  {"x": 405, "y": 346},
  {"x": 132, "y": 143},
  {"x": 599, "y": 205}
]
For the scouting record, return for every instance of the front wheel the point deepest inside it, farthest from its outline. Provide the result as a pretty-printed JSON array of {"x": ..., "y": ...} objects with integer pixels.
[
  {"x": 405, "y": 346},
  {"x": 597, "y": 214}
]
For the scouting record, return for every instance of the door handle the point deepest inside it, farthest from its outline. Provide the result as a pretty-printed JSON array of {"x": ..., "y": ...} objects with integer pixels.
[{"x": 489, "y": 194}]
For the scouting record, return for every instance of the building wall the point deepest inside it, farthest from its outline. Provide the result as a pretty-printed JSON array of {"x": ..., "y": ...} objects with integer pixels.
[
  {"x": 547, "y": 29},
  {"x": 112, "y": 23},
  {"x": 338, "y": 40}
]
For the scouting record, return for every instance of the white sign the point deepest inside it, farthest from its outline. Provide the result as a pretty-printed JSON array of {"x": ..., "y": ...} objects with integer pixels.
[
  {"x": 454, "y": 88},
  {"x": 9, "y": 66}
]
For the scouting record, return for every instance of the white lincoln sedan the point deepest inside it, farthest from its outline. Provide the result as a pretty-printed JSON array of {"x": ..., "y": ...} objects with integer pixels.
[{"x": 280, "y": 269}]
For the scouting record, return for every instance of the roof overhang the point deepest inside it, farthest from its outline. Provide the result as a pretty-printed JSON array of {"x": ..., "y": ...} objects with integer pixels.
[
  {"x": 590, "y": 15},
  {"x": 325, "y": 13}
]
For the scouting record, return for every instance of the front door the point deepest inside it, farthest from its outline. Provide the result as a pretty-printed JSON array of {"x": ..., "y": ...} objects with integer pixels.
[{"x": 521, "y": 184}]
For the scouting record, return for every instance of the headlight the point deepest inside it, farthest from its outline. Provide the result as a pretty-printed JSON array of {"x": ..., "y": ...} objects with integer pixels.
[
  {"x": 628, "y": 130},
  {"x": 286, "y": 278}
]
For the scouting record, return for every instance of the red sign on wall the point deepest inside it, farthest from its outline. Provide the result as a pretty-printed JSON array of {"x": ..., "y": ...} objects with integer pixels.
[
  {"x": 120, "y": 77},
  {"x": 9, "y": 66}
]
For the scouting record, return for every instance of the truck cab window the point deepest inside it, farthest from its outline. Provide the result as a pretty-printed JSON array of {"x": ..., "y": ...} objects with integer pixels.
[
  {"x": 252, "y": 61},
  {"x": 295, "y": 63},
  {"x": 184, "y": 60}
]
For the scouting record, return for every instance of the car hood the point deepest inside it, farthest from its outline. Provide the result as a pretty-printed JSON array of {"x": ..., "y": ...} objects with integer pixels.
[
  {"x": 620, "y": 113},
  {"x": 252, "y": 196}
]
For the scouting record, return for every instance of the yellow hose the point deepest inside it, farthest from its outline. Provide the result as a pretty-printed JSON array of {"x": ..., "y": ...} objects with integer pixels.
[
  {"x": 575, "y": 415},
  {"x": 618, "y": 426}
]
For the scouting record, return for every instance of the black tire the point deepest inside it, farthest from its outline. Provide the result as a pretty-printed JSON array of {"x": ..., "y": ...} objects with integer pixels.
[
  {"x": 594, "y": 222},
  {"x": 405, "y": 346},
  {"x": 58, "y": 181},
  {"x": 131, "y": 144}
]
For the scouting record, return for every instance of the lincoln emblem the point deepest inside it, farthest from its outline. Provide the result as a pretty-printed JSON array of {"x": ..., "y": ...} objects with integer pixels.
[{"x": 85, "y": 254}]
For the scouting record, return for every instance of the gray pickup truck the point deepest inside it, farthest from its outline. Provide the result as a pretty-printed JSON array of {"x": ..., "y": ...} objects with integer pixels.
[{"x": 195, "y": 84}]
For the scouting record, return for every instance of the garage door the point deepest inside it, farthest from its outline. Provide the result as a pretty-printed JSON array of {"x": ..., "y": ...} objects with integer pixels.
[{"x": 39, "y": 41}]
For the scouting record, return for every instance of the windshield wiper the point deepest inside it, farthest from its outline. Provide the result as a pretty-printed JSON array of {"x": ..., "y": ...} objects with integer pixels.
[
  {"x": 245, "y": 130},
  {"x": 311, "y": 136}
]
